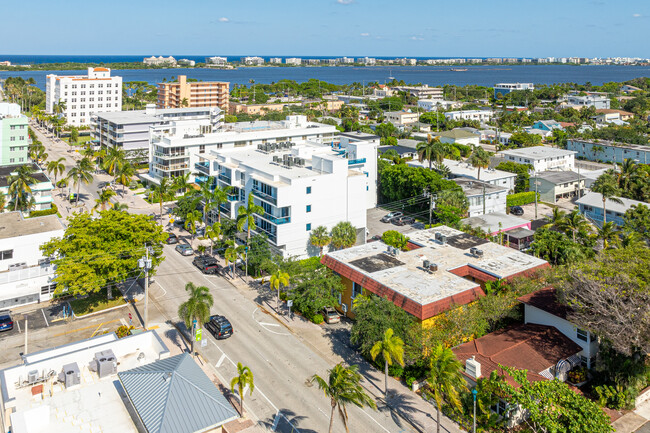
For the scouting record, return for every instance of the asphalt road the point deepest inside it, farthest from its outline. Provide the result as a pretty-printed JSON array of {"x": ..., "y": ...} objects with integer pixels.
[{"x": 280, "y": 362}]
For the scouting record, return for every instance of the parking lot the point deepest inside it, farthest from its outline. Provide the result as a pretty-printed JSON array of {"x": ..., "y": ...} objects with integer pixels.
[{"x": 377, "y": 228}]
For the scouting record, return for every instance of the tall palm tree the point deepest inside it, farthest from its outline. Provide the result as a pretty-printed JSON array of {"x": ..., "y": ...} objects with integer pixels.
[
  {"x": 431, "y": 150},
  {"x": 342, "y": 387},
  {"x": 57, "y": 168},
  {"x": 626, "y": 172},
  {"x": 213, "y": 232},
  {"x": 574, "y": 222},
  {"x": 232, "y": 253},
  {"x": 163, "y": 191},
  {"x": 104, "y": 198},
  {"x": 115, "y": 158},
  {"x": 182, "y": 183},
  {"x": 607, "y": 186},
  {"x": 320, "y": 237},
  {"x": 479, "y": 159},
  {"x": 344, "y": 235},
  {"x": 80, "y": 173},
  {"x": 120, "y": 207},
  {"x": 390, "y": 347},
  {"x": 207, "y": 195},
  {"x": 125, "y": 174},
  {"x": 197, "y": 307},
  {"x": 243, "y": 379},
  {"x": 246, "y": 217},
  {"x": 278, "y": 279},
  {"x": 445, "y": 379},
  {"x": 191, "y": 219},
  {"x": 20, "y": 186},
  {"x": 219, "y": 197}
]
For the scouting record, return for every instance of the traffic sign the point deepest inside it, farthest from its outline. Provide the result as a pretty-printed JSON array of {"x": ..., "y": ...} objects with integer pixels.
[
  {"x": 344, "y": 307},
  {"x": 290, "y": 303},
  {"x": 204, "y": 342},
  {"x": 199, "y": 334}
]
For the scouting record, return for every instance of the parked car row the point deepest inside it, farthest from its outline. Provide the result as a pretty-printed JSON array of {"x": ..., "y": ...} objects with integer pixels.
[{"x": 398, "y": 218}]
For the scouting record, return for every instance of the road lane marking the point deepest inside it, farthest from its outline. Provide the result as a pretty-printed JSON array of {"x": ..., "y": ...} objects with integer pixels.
[
  {"x": 96, "y": 330},
  {"x": 46, "y": 322},
  {"x": 269, "y": 324},
  {"x": 263, "y": 323},
  {"x": 18, "y": 323},
  {"x": 81, "y": 329},
  {"x": 375, "y": 421},
  {"x": 220, "y": 361}
]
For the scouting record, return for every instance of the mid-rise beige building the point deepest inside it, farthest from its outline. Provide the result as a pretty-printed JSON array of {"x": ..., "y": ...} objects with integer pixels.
[{"x": 193, "y": 94}]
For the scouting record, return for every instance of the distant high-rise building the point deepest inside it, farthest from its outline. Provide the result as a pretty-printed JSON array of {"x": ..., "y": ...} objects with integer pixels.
[
  {"x": 275, "y": 60},
  {"x": 159, "y": 61},
  {"x": 216, "y": 61},
  {"x": 84, "y": 95},
  {"x": 193, "y": 94},
  {"x": 293, "y": 61},
  {"x": 254, "y": 61}
]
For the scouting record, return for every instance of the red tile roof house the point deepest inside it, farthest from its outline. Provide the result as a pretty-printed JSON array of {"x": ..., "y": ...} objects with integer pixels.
[
  {"x": 542, "y": 308},
  {"x": 457, "y": 267},
  {"x": 542, "y": 350}
]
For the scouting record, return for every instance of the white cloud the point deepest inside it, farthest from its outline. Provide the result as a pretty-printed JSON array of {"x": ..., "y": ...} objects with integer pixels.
[
  {"x": 417, "y": 38},
  {"x": 637, "y": 15},
  {"x": 345, "y": 2},
  {"x": 365, "y": 34},
  {"x": 224, "y": 20}
]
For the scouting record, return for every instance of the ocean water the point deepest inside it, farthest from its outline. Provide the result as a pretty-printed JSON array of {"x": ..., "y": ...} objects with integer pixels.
[{"x": 432, "y": 75}]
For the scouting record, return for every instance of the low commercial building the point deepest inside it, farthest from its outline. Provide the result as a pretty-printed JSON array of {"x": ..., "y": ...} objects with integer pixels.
[
  {"x": 591, "y": 206},
  {"x": 496, "y": 223},
  {"x": 255, "y": 109},
  {"x": 130, "y": 130},
  {"x": 478, "y": 115},
  {"x": 216, "y": 61},
  {"x": 505, "y": 88},
  {"x": 458, "y": 136},
  {"x": 442, "y": 269},
  {"x": 14, "y": 136},
  {"x": 26, "y": 276},
  {"x": 252, "y": 61},
  {"x": 421, "y": 92},
  {"x": 483, "y": 197},
  {"x": 295, "y": 61},
  {"x": 464, "y": 170},
  {"x": 553, "y": 185},
  {"x": 609, "y": 151},
  {"x": 84, "y": 95},
  {"x": 300, "y": 186},
  {"x": 541, "y": 158},
  {"x": 41, "y": 189},
  {"x": 192, "y": 94},
  {"x": 438, "y": 104},
  {"x": 401, "y": 117}
]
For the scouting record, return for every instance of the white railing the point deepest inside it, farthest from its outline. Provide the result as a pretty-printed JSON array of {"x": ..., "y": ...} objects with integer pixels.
[{"x": 26, "y": 273}]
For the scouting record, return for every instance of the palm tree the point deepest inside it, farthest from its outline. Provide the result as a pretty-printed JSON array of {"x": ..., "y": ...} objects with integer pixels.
[
  {"x": 342, "y": 388},
  {"x": 104, "y": 198},
  {"x": 631, "y": 240},
  {"x": 445, "y": 379},
  {"x": 207, "y": 195},
  {"x": 57, "y": 168},
  {"x": 573, "y": 223},
  {"x": 480, "y": 159},
  {"x": 233, "y": 251},
  {"x": 246, "y": 216},
  {"x": 278, "y": 279},
  {"x": 115, "y": 158},
  {"x": 120, "y": 207},
  {"x": 185, "y": 103},
  {"x": 431, "y": 150},
  {"x": 344, "y": 235},
  {"x": 320, "y": 237},
  {"x": 197, "y": 307},
  {"x": 80, "y": 173},
  {"x": 606, "y": 185},
  {"x": 182, "y": 183},
  {"x": 3, "y": 202},
  {"x": 191, "y": 219},
  {"x": 163, "y": 191},
  {"x": 556, "y": 218},
  {"x": 125, "y": 174},
  {"x": 20, "y": 186},
  {"x": 390, "y": 347},
  {"x": 219, "y": 197},
  {"x": 243, "y": 379},
  {"x": 213, "y": 232},
  {"x": 608, "y": 233},
  {"x": 627, "y": 171}
]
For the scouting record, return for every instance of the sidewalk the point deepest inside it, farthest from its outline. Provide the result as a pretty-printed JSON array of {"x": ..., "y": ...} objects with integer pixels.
[{"x": 332, "y": 343}]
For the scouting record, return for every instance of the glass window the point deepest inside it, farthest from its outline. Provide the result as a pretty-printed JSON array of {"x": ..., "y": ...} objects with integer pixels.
[
  {"x": 356, "y": 290},
  {"x": 7, "y": 254},
  {"x": 308, "y": 208},
  {"x": 582, "y": 334},
  {"x": 309, "y": 190},
  {"x": 308, "y": 226}
]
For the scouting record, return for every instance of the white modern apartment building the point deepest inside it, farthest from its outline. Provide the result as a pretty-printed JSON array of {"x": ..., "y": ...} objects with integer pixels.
[
  {"x": 275, "y": 60},
  {"x": 159, "y": 61},
  {"x": 593, "y": 99},
  {"x": 84, "y": 95},
  {"x": 438, "y": 104},
  {"x": 479, "y": 115},
  {"x": 541, "y": 158},
  {"x": 252, "y": 60},
  {"x": 216, "y": 61},
  {"x": 174, "y": 149},
  {"x": 129, "y": 130},
  {"x": 296, "y": 61},
  {"x": 505, "y": 88},
  {"x": 26, "y": 276},
  {"x": 300, "y": 186}
]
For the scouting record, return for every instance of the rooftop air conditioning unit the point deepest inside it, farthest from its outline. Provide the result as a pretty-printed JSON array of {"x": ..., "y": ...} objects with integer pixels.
[
  {"x": 425, "y": 264},
  {"x": 276, "y": 158},
  {"x": 473, "y": 368},
  {"x": 32, "y": 376},
  {"x": 433, "y": 267},
  {"x": 437, "y": 236},
  {"x": 443, "y": 239},
  {"x": 473, "y": 250},
  {"x": 70, "y": 375},
  {"x": 479, "y": 253},
  {"x": 104, "y": 363}
]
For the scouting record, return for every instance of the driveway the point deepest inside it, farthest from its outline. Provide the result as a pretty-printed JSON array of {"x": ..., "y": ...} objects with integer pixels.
[{"x": 376, "y": 227}]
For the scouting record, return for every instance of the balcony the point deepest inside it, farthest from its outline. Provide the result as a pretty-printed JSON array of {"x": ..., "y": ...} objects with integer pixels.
[
  {"x": 233, "y": 197},
  {"x": 356, "y": 161},
  {"x": 203, "y": 167},
  {"x": 172, "y": 167},
  {"x": 276, "y": 220},
  {"x": 225, "y": 178},
  {"x": 273, "y": 237},
  {"x": 169, "y": 155},
  {"x": 259, "y": 194}
]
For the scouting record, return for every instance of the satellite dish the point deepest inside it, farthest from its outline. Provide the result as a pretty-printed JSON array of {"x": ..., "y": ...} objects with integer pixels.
[{"x": 561, "y": 369}]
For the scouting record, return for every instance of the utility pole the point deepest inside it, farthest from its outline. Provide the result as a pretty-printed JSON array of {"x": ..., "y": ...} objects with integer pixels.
[
  {"x": 536, "y": 194},
  {"x": 484, "y": 200},
  {"x": 145, "y": 264},
  {"x": 25, "y": 350},
  {"x": 430, "y": 208}
]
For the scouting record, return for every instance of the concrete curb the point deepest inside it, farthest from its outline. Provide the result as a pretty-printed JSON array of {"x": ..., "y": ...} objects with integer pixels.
[{"x": 96, "y": 313}]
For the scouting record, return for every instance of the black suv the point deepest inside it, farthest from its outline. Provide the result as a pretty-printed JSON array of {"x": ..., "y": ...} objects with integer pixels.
[
  {"x": 517, "y": 210},
  {"x": 206, "y": 264},
  {"x": 219, "y": 327}
]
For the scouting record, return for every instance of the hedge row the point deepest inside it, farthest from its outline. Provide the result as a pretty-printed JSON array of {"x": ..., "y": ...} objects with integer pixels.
[
  {"x": 521, "y": 198},
  {"x": 39, "y": 213}
]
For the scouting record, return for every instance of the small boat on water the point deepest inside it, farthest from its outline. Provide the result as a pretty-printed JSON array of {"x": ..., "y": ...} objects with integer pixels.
[{"x": 458, "y": 69}]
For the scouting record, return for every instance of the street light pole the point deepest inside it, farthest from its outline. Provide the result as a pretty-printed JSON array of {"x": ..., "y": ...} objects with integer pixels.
[
  {"x": 535, "y": 194},
  {"x": 474, "y": 397},
  {"x": 145, "y": 264}
]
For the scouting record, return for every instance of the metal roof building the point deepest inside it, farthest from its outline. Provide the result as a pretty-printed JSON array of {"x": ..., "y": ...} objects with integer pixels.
[{"x": 174, "y": 395}]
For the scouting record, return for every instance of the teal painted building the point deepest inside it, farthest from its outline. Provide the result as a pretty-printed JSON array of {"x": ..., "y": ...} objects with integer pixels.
[{"x": 14, "y": 136}]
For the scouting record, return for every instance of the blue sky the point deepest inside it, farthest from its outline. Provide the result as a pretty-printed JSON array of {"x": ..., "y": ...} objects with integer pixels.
[{"x": 422, "y": 28}]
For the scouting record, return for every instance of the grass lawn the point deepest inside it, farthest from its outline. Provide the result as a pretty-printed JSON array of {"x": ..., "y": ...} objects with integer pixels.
[
  {"x": 80, "y": 141},
  {"x": 96, "y": 302}
]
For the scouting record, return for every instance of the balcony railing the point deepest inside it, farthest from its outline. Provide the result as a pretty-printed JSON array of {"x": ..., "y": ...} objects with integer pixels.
[
  {"x": 233, "y": 197},
  {"x": 169, "y": 155},
  {"x": 203, "y": 167},
  {"x": 225, "y": 178},
  {"x": 273, "y": 237},
  {"x": 356, "y": 161},
  {"x": 264, "y": 196},
  {"x": 276, "y": 220},
  {"x": 171, "y": 167}
]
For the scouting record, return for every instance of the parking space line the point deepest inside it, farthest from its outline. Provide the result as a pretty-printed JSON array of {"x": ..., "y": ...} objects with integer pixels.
[
  {"x": 46, "y": 322},
  {"x": 18, "y": 324},
  {"x": 85, "y": 327}
]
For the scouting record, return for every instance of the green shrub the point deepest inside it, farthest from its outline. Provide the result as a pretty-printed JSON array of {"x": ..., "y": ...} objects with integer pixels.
[
  {"x": 38, "y": 213},
  {"x": 521, "y": 198},
  {"x": 123, "y": 331},
  {"x": 395, "y": 370},
  {"x": 612, "y": 397},
  {"x": 317, "y": 319},
  {"x": 395, "y": 239}
]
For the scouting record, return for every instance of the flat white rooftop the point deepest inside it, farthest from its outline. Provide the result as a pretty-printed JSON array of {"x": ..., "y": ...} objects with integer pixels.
[
  {"x": 538, "y": 152},
  {"x": 94, "y": 405},
  {"x": 464, "y": 169},
  {"x": 404, "y": 274},
  {"x": 12, "y": 225}
]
